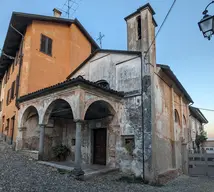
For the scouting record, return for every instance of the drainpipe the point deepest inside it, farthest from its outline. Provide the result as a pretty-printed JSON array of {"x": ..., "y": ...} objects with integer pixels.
[
  {"x": 142, "y": 122},
  {"x": 20, "y": 65},
  {"x": 18, "y": 77}
]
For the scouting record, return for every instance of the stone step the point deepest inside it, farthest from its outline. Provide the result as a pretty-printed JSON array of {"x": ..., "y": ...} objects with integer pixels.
[{"x": 31, "y": 154}]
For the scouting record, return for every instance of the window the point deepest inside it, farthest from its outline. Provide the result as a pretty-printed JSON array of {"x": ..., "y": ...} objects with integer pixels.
[
  {"x": 73, "y": 142},
  {"x": 3, "y": 123},
  {"x": 16, "y": 86},
  {"x": 4, "y": 80},
  {"x": 129, "y": 143},
  {"x": 5, "y": 77},
  {"x": 16, "y": 58},
  {"x": 103, "y": 83},
  {"x": 8, "y": 124},
  {"x": 46, "y": 45},
  {"x": 1, "y": 105},
  {"x": 13, "y": 65},
  {"x": 8, "y": 96},
  {"x": 185, "y": 121},
  {"x": 139, "y": 28},
  {"x": 177, "y": 120},
  {"x": 12, "y": 90},
  {"x": 8, "y": 74}
]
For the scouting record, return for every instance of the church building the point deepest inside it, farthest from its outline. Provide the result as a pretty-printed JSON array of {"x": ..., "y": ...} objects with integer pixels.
[{"x": 118, "y": 108}]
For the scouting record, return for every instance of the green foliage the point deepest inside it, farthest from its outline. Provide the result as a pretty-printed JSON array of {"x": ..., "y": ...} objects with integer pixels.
[
  {"x": 61, "y": 152},
  {"x": 129, "y": 147},
  {"x": 201, "y": 138}
]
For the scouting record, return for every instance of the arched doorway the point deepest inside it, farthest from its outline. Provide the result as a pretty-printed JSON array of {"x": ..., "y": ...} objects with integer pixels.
[
  {"x": 30, "y": 121},
  {"x": 59, "y": 128},
  {"x": 98, "y": 117}
]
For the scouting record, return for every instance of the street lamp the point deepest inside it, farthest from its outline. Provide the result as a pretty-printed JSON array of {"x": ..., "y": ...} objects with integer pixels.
[{"x": 206, "y": 24}]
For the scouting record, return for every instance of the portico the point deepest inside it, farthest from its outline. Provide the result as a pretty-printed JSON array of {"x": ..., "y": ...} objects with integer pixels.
[{"x": 74, "y": 114}]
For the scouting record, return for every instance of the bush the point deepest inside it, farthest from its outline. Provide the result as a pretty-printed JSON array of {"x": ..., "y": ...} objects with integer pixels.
[
  {"x": 61, "y": 152},
  {"x": 200, "y": 139}
]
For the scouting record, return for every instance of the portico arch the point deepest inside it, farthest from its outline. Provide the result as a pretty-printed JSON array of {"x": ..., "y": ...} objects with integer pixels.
[
  {"x": 98, "y": 109},
  {"x": 30, "y": 128},
  {"x": 59, "y": 128},
  {"x": 56, "y": 107},
  {"x": 98, "y": 116}
]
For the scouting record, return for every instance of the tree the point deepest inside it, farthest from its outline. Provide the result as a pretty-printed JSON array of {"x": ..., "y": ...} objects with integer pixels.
[{"x": 200, "y": 138}]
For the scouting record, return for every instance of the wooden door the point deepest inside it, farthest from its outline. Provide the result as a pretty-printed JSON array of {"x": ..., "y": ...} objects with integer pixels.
[{"x": 100, "y": 146}]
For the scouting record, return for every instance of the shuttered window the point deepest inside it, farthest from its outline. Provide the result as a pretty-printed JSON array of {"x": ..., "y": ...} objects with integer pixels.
[
  {"x": 12, "y": 90},
  {"x": 8, "y": 96},
  {"x": 1, "y": 102},
  {"x": 46, "y": 45},
  {"x": 16, "y": 86}
]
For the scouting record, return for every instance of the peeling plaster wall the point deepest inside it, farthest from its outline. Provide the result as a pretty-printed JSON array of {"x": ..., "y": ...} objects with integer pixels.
[
  {"x": 122, "y": 77},
  {"x": 62, "y": 133},
  {"x": 195, "y": 127},
  {"x": 168, "y": 133},
  {"x": 31, "y": 138},
  {"x": 105, "y": 66},
  {"x": 164, "y": 135}
]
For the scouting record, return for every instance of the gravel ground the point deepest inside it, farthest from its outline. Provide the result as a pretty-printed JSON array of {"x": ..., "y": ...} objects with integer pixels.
[{"x": 18, "y": 173}]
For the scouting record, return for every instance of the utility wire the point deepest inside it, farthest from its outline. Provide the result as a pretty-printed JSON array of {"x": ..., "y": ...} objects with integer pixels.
[
  {"x": 211, "y": 110},
  {"x": 204, "y": 109},
  {"x": 167, "y": 15}
]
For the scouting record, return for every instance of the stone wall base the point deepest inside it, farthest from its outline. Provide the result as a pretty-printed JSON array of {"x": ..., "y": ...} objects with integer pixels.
[
  {"x": 168, "y": 176},
  {"x": 31, "y": 154}
]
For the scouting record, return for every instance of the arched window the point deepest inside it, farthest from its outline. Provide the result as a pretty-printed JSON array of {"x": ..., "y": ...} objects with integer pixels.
[
  {"x": 103, "y": 83},
  {"x": 177, "y": 120},
  {"x": 139, "y": 27},
  {"x": 184, "y": 120}
]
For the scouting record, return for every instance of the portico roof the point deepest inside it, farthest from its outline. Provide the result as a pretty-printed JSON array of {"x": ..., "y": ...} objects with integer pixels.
[{"x": 67, "y": 84}]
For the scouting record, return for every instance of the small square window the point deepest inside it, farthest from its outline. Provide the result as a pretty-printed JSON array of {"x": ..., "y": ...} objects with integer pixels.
[{"x": 129, "y": 143}]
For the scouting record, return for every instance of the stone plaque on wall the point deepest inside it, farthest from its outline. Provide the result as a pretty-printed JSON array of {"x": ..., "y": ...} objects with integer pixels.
[
  {"x": 112, "y": 152},
  {"x": 112, "y": 140}
]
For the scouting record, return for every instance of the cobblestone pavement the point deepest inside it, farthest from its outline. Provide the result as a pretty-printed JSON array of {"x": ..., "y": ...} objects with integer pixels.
[{"x": 18, "y": 173}]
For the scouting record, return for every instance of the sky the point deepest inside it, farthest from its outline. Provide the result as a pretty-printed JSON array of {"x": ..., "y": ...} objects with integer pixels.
[{"x": 180, "y": 43}]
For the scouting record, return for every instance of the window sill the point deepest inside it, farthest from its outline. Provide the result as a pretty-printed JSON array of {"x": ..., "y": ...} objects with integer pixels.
[{"x": 50, "y": 55}]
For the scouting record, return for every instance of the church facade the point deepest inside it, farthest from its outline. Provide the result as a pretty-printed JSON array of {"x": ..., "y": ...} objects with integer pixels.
[{"x": 118, "y": 108}]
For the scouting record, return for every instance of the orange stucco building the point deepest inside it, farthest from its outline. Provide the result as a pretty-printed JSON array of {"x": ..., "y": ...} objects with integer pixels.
[{"x": 39, "y": 51}]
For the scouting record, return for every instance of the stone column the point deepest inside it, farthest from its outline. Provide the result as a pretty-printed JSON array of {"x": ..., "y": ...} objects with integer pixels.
[
  {"x": 41, "y": 141},
  {"x": 78, "y": 172}
]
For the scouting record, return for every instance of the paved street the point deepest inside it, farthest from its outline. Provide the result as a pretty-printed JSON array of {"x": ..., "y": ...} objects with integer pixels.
[{"x": 18, "y": 173}]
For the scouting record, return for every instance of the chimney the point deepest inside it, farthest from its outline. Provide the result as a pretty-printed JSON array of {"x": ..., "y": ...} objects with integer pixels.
[{"x": 57, "y": 13}]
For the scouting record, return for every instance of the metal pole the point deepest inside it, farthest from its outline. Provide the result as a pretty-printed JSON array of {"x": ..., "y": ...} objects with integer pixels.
[
  {"x": 205, "y": 10},
  {"x": 142, "y": 122}
]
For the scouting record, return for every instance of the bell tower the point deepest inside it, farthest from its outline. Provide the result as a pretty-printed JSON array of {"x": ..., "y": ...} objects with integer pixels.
[
  {"x": 141, "y": 37},
  {"x": 141, "y": 31}
]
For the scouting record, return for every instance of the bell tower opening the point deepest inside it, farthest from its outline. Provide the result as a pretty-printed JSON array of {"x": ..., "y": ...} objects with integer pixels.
[
  {"x": 139, "y": 35},
  {"x": 141, "y": 28}
]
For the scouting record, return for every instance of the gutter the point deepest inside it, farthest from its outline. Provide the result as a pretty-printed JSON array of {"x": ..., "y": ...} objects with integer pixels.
[{"x": 18, "y": 77}]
